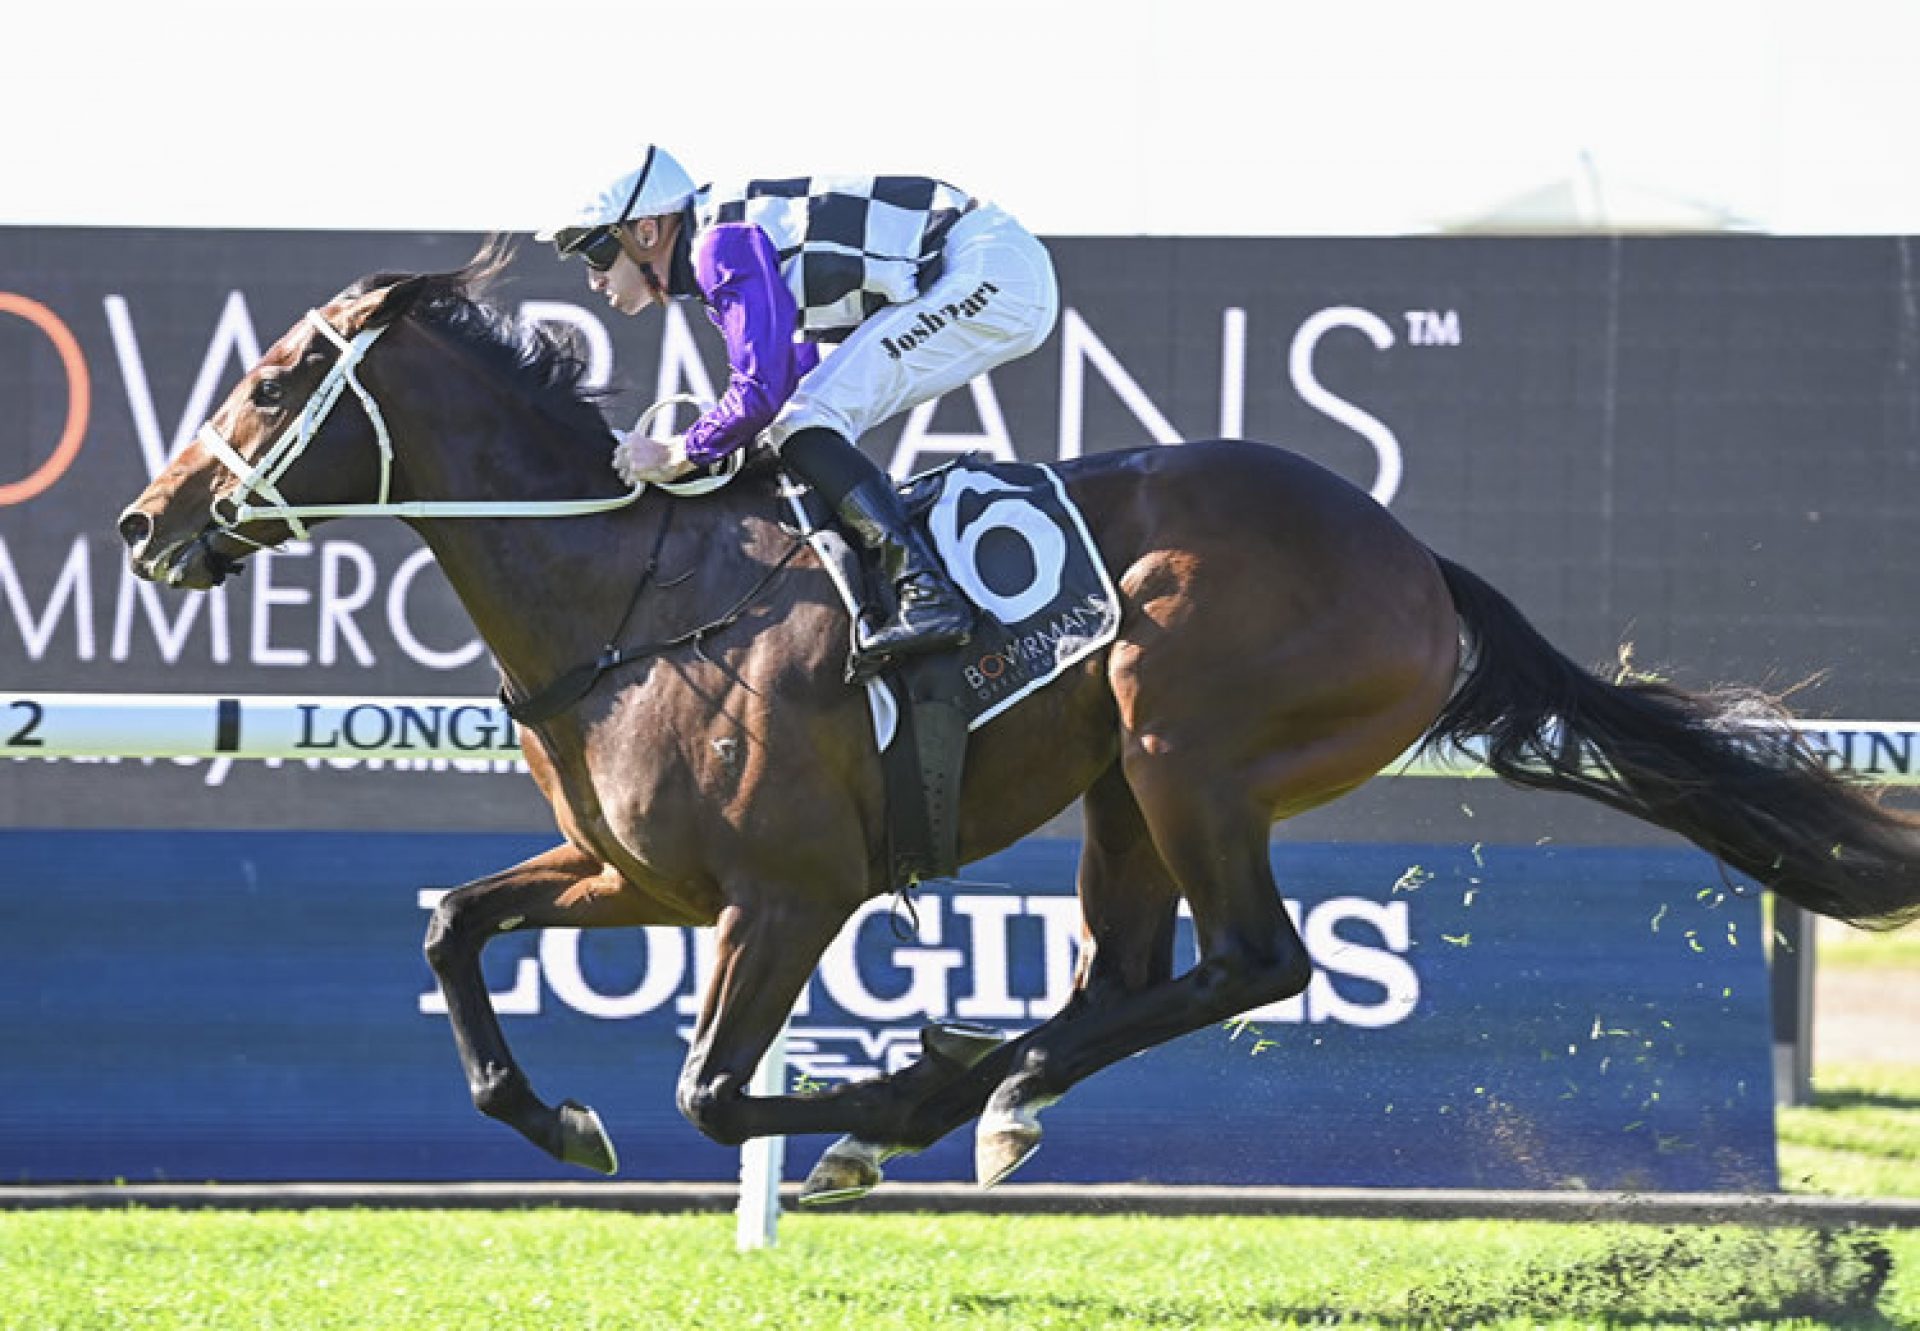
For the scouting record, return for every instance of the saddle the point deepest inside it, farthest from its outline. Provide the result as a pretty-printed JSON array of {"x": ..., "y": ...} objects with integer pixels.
[{"x": 1014, "y": 543}]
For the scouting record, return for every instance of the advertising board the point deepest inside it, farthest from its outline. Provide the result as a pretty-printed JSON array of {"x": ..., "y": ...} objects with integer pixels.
[{"x": 254, "y": 1005}]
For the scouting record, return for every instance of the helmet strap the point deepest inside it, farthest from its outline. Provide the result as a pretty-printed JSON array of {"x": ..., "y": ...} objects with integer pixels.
[{"x": 642, "y": 259}]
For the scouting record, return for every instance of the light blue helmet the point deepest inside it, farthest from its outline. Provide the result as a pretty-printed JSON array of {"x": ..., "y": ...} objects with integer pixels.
[{"x": 658, "y": 185}]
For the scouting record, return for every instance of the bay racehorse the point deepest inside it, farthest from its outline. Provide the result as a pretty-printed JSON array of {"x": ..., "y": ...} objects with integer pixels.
[{"x": 1282, "y": 638}]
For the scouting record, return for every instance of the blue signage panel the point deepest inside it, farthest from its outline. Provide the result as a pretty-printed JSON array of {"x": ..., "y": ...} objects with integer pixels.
[{"x": 253, "y": 1005}]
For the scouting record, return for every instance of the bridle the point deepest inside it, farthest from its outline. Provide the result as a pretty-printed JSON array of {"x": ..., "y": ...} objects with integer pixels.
[
  {"x": 259, "y": 478},
  {"x": 257, "y": 497}
]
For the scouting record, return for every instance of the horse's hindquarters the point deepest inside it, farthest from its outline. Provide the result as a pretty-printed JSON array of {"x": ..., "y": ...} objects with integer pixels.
[{"x": 1283, "y": 637}]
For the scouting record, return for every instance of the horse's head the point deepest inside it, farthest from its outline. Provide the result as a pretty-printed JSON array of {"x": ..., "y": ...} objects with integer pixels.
[{"x": 283, "y": 447}]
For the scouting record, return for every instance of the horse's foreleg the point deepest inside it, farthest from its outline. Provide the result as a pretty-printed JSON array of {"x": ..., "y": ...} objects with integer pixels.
[
  {"x": 958, "y": 1068},
  {"x": 561, "y": 887},
  {"x": 767, "y": 948}
]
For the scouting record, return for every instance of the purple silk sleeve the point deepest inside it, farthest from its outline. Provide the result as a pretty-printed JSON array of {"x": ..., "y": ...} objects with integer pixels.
[{"x": 739, "y": 276}]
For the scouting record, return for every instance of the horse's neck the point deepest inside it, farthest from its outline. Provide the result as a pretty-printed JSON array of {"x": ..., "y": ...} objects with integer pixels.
[
  {"x": 530, "y": 585},
  {"x": 548, "y": 595}
]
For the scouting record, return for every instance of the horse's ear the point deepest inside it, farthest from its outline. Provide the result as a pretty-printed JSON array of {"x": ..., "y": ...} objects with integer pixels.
[{"x": 392, "y": 303}]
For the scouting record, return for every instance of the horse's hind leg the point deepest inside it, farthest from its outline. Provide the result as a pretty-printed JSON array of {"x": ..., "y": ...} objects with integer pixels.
[
  {"x": 561, "y": 887},
  {"x": 1129, "y": 904},
  {"x": 1211, "y": 840}
]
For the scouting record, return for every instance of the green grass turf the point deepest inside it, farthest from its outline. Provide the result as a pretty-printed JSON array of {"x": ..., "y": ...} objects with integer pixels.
[
  {"x": 528, "y": 1271},
  {"x": 1860, "y": 1137}
]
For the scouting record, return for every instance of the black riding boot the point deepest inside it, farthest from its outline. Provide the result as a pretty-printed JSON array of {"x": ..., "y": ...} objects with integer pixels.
[{"x": 927, "y": 612}]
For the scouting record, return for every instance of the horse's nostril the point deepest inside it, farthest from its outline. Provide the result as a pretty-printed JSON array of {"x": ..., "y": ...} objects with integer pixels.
[{"x": 135, "y": 528}]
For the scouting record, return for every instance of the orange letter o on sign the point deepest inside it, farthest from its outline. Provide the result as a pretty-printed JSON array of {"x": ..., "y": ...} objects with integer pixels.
[{"x": 79, "y": 398}]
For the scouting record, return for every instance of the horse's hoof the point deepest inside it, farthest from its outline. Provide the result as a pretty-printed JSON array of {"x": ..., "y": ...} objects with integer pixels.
[
  {"x": 584, "y": 1140},
  {"x": 958, "y": 1042},
  {"x": 1004, "y": 1141},
  {"x": 847, "y": 1171}
]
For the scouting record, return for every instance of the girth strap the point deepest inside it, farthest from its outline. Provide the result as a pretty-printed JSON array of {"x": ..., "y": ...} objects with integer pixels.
[{"x": 924, "y": 766}]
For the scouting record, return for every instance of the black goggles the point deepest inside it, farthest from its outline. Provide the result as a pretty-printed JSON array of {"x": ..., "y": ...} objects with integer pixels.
[{"x": 600, "y": 248}]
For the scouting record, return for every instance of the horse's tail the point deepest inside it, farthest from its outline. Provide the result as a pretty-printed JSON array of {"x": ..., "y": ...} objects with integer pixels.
[{"x": 1718, "y": 767}]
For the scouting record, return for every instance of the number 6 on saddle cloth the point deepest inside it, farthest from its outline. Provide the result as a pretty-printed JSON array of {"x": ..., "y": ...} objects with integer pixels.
[{"x": 1016, "y": 545}]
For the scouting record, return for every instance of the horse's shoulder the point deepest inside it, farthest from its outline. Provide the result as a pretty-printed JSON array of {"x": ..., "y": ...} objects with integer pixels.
[{"x": 749, "y": 529}]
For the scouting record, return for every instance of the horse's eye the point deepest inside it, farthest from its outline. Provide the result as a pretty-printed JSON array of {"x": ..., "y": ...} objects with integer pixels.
[{"x": 269, "y": 393}]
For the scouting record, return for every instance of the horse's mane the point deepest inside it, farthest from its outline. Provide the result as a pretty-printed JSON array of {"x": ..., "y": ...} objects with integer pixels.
[{"x": 546, "y": 365}]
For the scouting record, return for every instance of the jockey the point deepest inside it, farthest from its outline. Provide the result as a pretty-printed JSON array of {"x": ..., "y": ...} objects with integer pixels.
[{"x": 921, "y": 286}]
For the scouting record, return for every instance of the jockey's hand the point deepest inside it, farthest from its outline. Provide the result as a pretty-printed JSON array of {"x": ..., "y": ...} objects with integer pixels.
[{"x": 639, "y": 459}]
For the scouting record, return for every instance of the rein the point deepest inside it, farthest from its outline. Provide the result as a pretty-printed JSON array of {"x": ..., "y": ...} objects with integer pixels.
[
  {"x": 258, "y": 480},
  {"x": 564, "y": 692}
]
